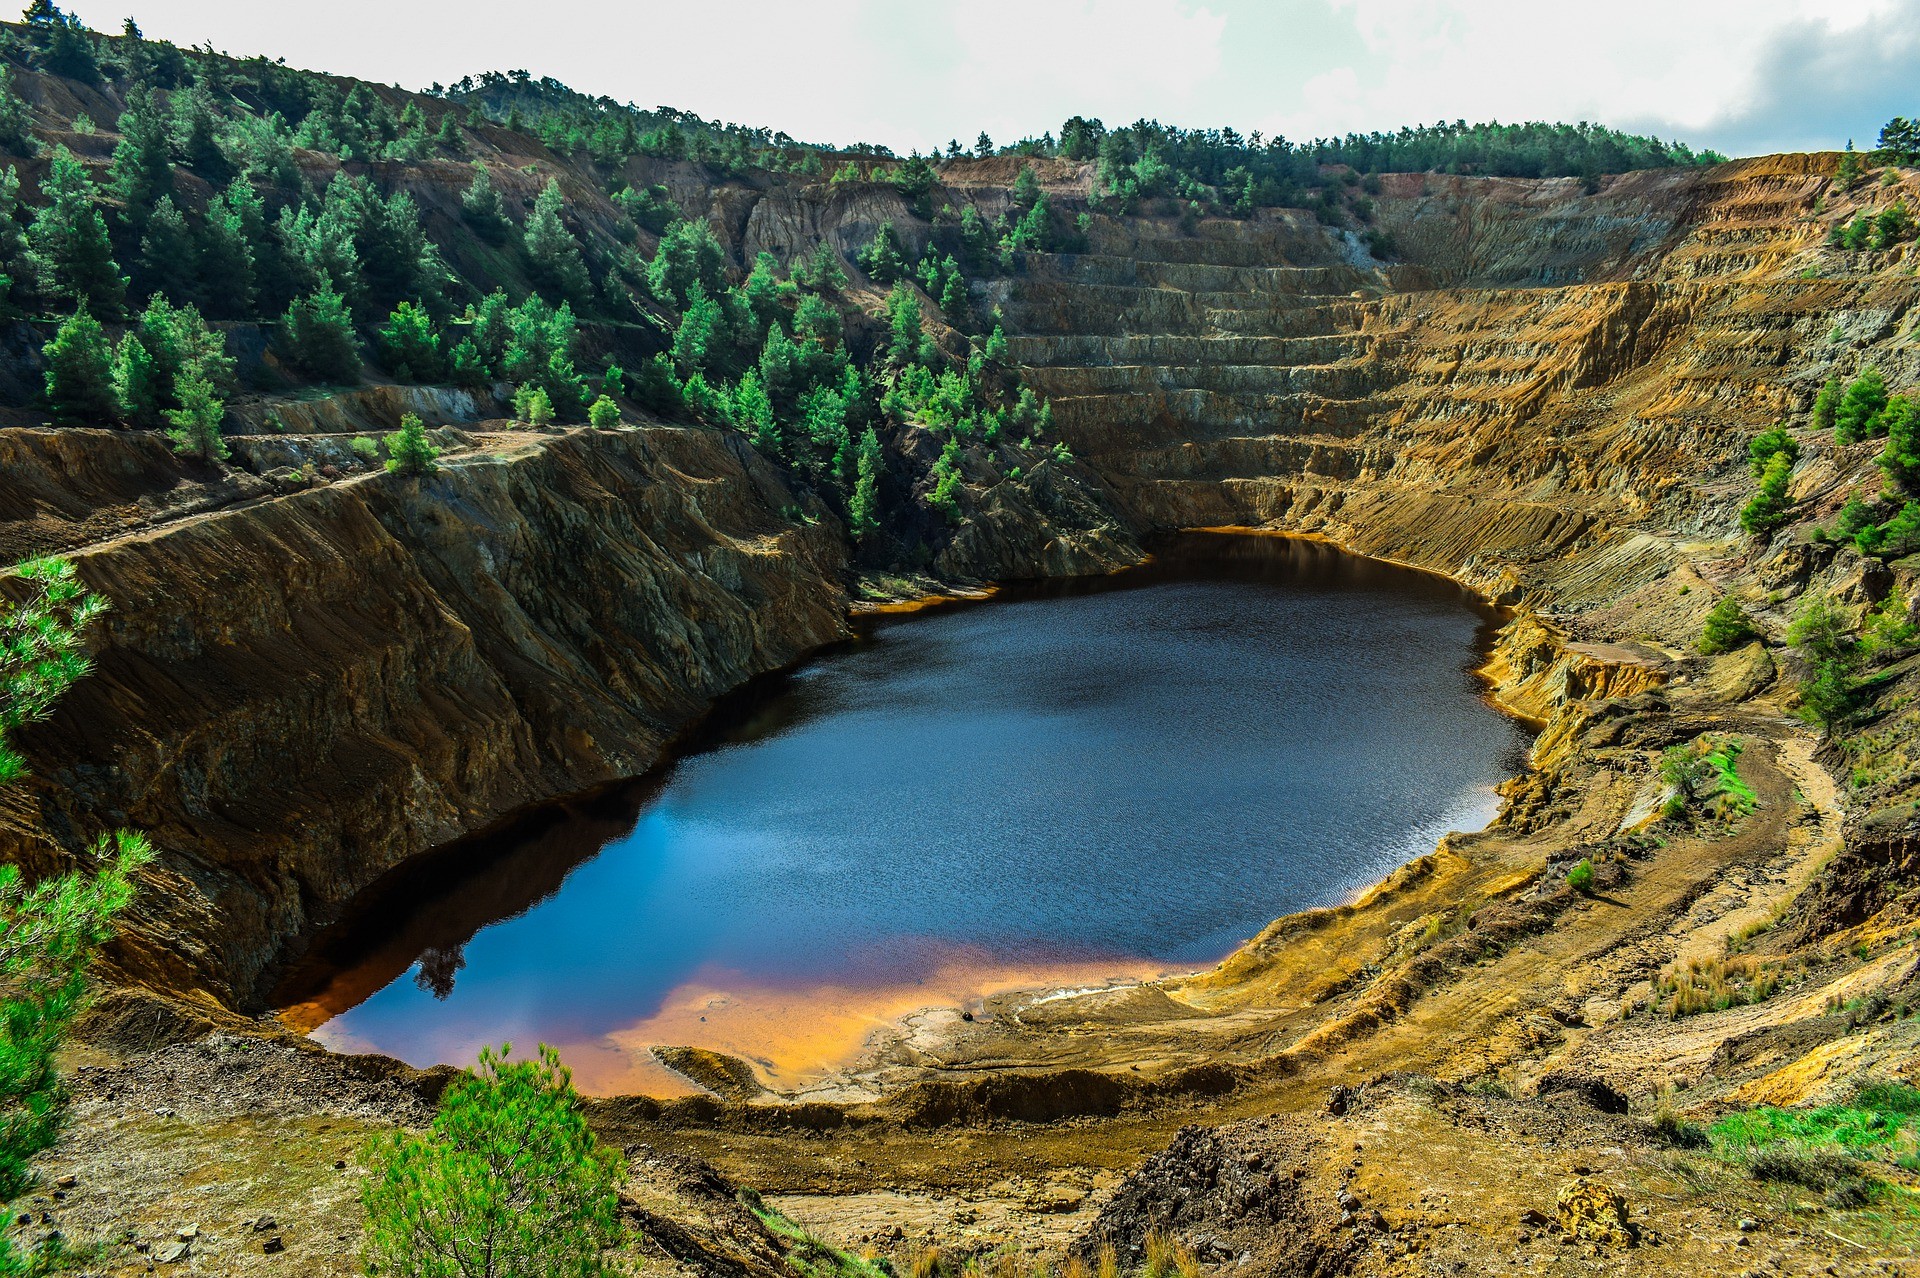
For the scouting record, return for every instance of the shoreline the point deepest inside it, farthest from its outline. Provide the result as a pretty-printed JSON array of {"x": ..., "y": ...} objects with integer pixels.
[{"x": 903, "y": 1023}]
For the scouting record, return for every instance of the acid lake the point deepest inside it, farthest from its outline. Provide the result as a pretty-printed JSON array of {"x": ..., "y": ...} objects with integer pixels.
[{"x": 1069, "y": 785}]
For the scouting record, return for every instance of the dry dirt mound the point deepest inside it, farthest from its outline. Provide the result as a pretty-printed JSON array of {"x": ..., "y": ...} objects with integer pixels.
[{"x": 1244, "y": 1195}]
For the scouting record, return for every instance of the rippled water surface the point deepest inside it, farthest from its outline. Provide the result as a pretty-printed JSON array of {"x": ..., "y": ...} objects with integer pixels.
[{"x": 1092, "y": 782}]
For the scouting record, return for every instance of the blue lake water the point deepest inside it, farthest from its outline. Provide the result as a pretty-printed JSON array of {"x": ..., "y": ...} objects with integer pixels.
[{"x": 1104, "y": 778}]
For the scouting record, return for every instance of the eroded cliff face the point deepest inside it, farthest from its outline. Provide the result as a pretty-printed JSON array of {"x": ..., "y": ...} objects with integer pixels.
[
  {"x": 1545, "y": 395},
  {"x": 1539, "y": 396},
  {"x": 296, "y": 694}
]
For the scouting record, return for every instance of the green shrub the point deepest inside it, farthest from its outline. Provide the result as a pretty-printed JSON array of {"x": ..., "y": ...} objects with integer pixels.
[
  {"x": 508, "y": 1181},
  {"x": 319, "y": 335},
  {"x": 1727, "y": 627},
  {"x": 409, "y": 451},
  {"x": 410, "y": 345},
  {"x": 1676, "y": 1132},
  {"x": 79, "y": 372},
  {"x": 1706, "y": 768},
  {"x": 603, "y": 414},
  {"x": 1829, "y": 1148},
  {"x": 1858, "y": 415},
  {"x": 1580, "y": 877},
  {"x": 1827, "y": 403},
  {"x": 365, "y": 448},
  {"x": 532, "y": 405},
  {"x": 1767, "y": 444},
  {"x": 49, "y": 932},
  {"x": 195, "y": 425},
  {"x": 1769, "y": 506}
]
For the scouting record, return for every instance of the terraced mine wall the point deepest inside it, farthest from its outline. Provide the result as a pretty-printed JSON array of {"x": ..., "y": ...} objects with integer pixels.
[{"x": 1545, "y": 393}]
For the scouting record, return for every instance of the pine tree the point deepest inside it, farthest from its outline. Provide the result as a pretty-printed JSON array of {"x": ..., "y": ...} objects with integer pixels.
[
  {"x": 143, "y": 158},
  {"x": 196, "y": 423},
  {"x": 398, "y": 259},
  {"x": 1858, "y": 414},
  {"x": 79, "y": 371},
  {"x": 820, "y": 272},
  {"x": 492, "y": 328},
  {"x": 820, "y": 443},
  {"x": 180, "y": 341},
  {"x": 977, "y": 248},
  {"x": 1900, "y": 459},
  {"x": 946, "y": 482},
  {"x": 881, "y": 259},
  {"x": 688, "y": 255},
  {"x": 167, "y": 253},
  {"x": 61, "y": 43},
  {"x": 904, "y": 324},
  {"x": 953, "y": 297},
  {"x": 19, "y": 274},
  {"x": 16, "y": 118},
  {"x": 554, "y": 251},
  {"x": 272, "y": 275},
  {"x": 603, "y": 414},
  {"x": 409, "y": 450},
  {"x": 863, "y": 509},
  {"x": 763, "y": 294},
  {"x": 137, "y": 382},
  {"x": 195, "y": 132},
  {"x": 482, "y": 207},
  {"x": 916, "y": 179},
  {"x": 264, "y": 145},
  {"x": 509, "y": 1170},
  {"x": 613, "y": 382},
  {"x": 320, "y": 337},
  {"x": 532, "y": 405},
  {"x": 51, "y": 932},
  {"x": 817, "y": 321},
  {"x": 69, "y": 240},
  {"x": 1827, "y": 403},
  {"x": 226, "y": 259},
  {"x": 752, "y": 412},
  {"x": 467, "y": 367},
  {"x": 1848, "y": 174},
  {"x": 701, "y": 331},
  {"x": 1026, "y": 188},
  {"x": 1769, "y": 507},
  {"x": 1033, "y": 232},
  {"x": 410, "y": 346},
  {"x": 780, "y": 370}
]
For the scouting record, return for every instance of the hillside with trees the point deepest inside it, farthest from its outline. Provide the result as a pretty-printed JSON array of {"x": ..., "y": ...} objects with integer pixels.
[{"x": 185, "y": 229}]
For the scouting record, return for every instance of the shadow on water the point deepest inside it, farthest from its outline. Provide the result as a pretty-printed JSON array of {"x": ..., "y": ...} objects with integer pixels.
[{"x": 1105, "y": 701}]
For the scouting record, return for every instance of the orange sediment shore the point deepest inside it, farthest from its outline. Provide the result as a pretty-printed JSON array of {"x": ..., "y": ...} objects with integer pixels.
[{"x": 792, "y": 1037}]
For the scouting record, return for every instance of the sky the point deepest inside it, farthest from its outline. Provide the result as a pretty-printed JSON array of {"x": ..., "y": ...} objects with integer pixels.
[{"x": 1741, "y": 76}]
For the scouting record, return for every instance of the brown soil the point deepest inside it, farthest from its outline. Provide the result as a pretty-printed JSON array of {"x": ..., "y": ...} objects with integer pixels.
[{"x": 1546, "y": 396}]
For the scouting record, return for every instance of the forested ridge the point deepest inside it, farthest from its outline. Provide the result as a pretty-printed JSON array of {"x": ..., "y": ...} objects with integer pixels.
[{"x": 153, "y": 197}]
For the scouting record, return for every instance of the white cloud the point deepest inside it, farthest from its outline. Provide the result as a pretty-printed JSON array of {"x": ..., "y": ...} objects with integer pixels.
[
  {"x": 1686, "y": 65},
  {"x": 915, "y": 72},
  {"x": 1086, "y": 51},
  {"x": 903, "y": 73}
]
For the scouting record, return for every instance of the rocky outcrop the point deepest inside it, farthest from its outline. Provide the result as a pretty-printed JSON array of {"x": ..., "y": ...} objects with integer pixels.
[
  {"x": 296, "y": 695},
  {"x": 1544, "y": 395}
]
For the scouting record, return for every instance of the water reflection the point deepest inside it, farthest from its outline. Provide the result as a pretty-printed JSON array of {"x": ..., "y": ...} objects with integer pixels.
[{"x": 1087, "y": 781}]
